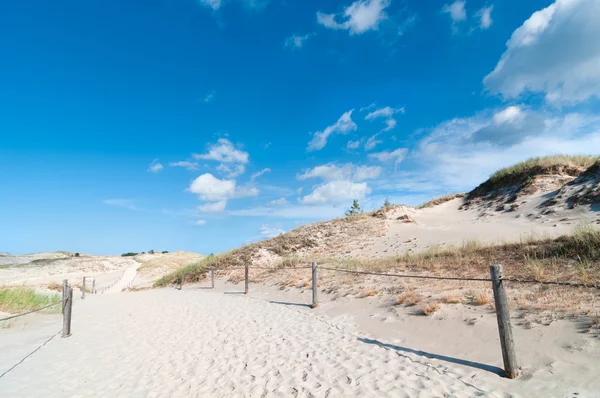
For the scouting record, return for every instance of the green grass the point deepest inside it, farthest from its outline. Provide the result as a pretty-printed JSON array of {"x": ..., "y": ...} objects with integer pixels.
[
  {"x": 439, "y": 200},
  {"x": 547, "y": 162},
  {"x": 22, "y": 299}
]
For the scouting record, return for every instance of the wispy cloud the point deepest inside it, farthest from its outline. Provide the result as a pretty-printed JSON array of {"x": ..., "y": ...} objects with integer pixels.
[
  {"x": 344, "y": 125},
  {"x": 185, "y": 165},
  {"x": 268, "y": 231},
  {"x": 232, "y": 160},
  {"x": 200, "y": 223},
  {"x": 124, "y": 203},
  {"x": 155, "y": 166},
  {"x": 485, "y": 17},
  {"x": 359, "y": 17},
  {"x": 259, "y": 173},
  {"x": 209, "y": 97},
  {"x": 297, "y": 41}
]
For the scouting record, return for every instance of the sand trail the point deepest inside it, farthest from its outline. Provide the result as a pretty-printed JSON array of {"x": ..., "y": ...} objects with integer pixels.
[{"x": 198, "y": 343}]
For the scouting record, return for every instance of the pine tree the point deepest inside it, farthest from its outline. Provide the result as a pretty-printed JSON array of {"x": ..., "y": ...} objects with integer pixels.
[
  {"x": 354, "y": 209},
  {"x": 387, "y": 203}
]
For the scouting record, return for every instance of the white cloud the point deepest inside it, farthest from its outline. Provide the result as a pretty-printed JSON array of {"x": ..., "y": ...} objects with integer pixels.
[
  {"x": 297, "y": 41},
  {"x": 555, "y": 52},
  {"x": 359, "y": 17},
  {"x": 155, "y": 166},
  {"x": 207, "y": 187},
  {"x": 510, "y": 114},
  {"x": 390, "y": 124},
  {"x": 278, "y": 202},
  {"x": 232, "y": 160},
  {"x": 246, "y": 191},
  {"x": 396, "y": 156},
  {"x": 185, "y": 164},
  {"x": 485, "y": 17},
  {"x": 353, "y": 144},
  {"x": 213, "y": 207},
  {"x": 366, "y": 173},
  {"x": 456, "y": 11},
  {"x": 372, "y": 142},
  {"x": 343, "y": 126},
  {"x": 200, "y": 222},
  {"x": 327, "y": 172},
  {"x": 209, "y": 97},
  {"x": 268, "y": 231},
  {"x": 259, "y": 173},
  {"x": 337, "y": 191},
  {"x": 383, "y": 112},
  {"x": 214, "y": 4},
  {"x": 124, "y": 203}
]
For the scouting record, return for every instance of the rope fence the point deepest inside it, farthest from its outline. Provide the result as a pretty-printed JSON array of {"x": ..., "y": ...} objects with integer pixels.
[
  {"x": 496, "y": 278},
  {"x": 30, "y": 312}
]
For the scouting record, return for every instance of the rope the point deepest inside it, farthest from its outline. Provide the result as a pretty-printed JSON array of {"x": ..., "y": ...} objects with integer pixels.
[
  {"x": 30, "y": 312},
  {"x": 277, "y": 269},
  {"x": 30, "y": 354},
  {"x": 560, "y": 283},
  {"x": 408, "y": 276}
]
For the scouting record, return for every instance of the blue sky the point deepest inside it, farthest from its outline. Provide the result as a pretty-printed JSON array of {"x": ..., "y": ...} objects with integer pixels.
[{"x": 202, "y": 125}]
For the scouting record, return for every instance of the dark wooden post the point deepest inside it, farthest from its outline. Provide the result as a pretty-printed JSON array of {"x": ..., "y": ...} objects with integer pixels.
[
  {"x": 68, "y": 309},
  {"x": 212, "y": 276},
  {"x": 504, "y": 327},
  {"x": 246, "y": 289},
  {"x": 315, "y": 281},
  {"x": 83, "y": 289},
  {"x": 64, "y": 294}
]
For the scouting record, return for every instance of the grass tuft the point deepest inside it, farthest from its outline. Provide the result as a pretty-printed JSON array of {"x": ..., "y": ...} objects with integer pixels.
[
  {"x": 429, "y": 309},
  {"x": 21, "y": 299}
]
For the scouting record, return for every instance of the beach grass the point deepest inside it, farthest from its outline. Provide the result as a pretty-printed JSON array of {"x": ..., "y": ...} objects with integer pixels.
[{"x": 14, "y": 300}]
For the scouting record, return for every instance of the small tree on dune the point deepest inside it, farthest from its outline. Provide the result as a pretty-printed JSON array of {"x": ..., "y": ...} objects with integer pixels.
[
  {"x": 387, "y": 203},
  {"x": 354, "y": 209}
]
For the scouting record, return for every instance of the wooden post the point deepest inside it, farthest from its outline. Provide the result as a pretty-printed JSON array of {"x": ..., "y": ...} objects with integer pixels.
[
  {"x": 181, "y": 281},
  {"x": 94, "y": 286},
  {"x": 315, "y": 302},
  {"x": 68, "y": 309},
  {"x": 504, "y": 327},
  {"x": 212, "y": 276},
  {"x": 83, "y": 289},
  {"x": 246, "y": 289},
  {"x": 64, "y": 294}
]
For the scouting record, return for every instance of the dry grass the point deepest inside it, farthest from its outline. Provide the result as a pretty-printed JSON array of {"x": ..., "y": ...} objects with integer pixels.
[
  {"x": 429, "y": 309},
  {"x": 369, "y": 292},
  {"x": 556, "y": 162},
  {"x": 481, "y": 299},
  {"x": 54, "y": 286},
  {"x": 440, "y": 200},
  {"x": 451, "y": 300},
  {"x": 410, "y": 299}
]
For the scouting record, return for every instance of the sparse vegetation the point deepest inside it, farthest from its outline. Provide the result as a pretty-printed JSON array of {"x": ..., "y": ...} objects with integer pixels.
[
  {"x": 354, "y": 210},
  {"x": 165, "y": 252},
  {"x": 369, "y": 292},
  {"x": 429, "y": 309},
  {"x": 440, "y": 200},
  {"x": 19, "y": 299},
  {"x": 481, "y": 299},
  {"x": 451, "y": 300},
  {"x": 129, "y": 254},
  {"x": 150, "y": 251},
  {"x": 54, "y": 286},
  {"x": 550, "y": 163},
  {"x": 410, "y": 299}
]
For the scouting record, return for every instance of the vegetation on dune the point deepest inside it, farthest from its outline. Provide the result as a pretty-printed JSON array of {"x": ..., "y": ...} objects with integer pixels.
[
  {"x": 354, "y": 210},
  {"x": 20, "y": 299},
  {"x": 129, "y": 254},
  {"x": 554, "y": 163},
  {"x": 440, "y": 200}
]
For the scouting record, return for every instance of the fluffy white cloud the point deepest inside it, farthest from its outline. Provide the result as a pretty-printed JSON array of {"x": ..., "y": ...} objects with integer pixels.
[
  {"x": 327, "y": 172},
  {"x": 396, "y": 156},
  {"x": 155, "y": 166},
  {"x": 456, "y": 11},
  {"x": 268, "y": 231},
  {"x": 485, "y": 17},
  {"x": 344, "y": 125},
  {"x": 337, "y": 191},
  {"x": 555, "y": 52},
  {"x": 366, "y": 173},
  {"x": 278, "y": 202},
  {"x": 297, "y": 41},
  {"x": 200, "y": 223},
  {"x": 214, "y": 4},
  {"x": 353, "y": 144},
  {"x": 224, "y": 151},
  {"x": 210, "y": 188},
  {"x": 213, "y": 207},
  {"x": 259, "y": 173},
  {"x": 185, "y": 164},
  {"x": 510, "y": 114},
  {"x": 359, "y": 17}
]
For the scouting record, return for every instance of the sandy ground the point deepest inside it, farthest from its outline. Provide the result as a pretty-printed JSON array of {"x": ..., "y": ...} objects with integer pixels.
[{"x": 200, "y": 342}]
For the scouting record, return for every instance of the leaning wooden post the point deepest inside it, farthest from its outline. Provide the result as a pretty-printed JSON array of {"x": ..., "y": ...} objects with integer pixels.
[
  {"x": 65, "y": 287},
  {"x": 67, "y": 311},
  {"x": 94, "y": 286},
  {"x": 504, "y": 327},
  {"x": 315, "y": 302},
  {"x": 83, "y": 289},
  {"x": 246, "y": 289},
  {"x": 212, "y": 276}
]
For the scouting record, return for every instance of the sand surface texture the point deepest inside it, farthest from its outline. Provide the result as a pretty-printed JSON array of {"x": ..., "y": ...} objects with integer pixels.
[{"x": 200, "y": 343}]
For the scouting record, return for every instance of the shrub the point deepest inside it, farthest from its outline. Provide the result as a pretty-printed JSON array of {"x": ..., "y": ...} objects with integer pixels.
[
  {"x": 354, "y": 209},
  {"x": 430, "y": 309},
  {"x": 129, "y": 254},
  {"x": 165, "y": 251},
  {"x": 451, "y": 299},
  {"x": 150, "y": 251}
]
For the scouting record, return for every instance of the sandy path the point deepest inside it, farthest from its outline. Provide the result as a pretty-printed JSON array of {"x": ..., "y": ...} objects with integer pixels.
[
  {"x": 125, "y": 281},
  {"x": 199, "y": 343}
]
